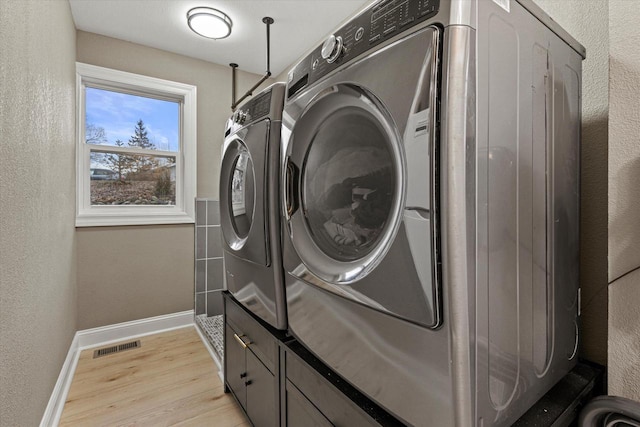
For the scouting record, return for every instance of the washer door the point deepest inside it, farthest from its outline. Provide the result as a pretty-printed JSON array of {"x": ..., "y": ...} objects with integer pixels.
[
  {"x": 242, "y": 192},
  {"x": 344, "y": 172}
]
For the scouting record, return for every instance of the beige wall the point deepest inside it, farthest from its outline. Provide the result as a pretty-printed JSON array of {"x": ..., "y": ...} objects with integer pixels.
[
  {"x": 150, "y": 269},
  {"x": 37, "y": 207},
  {"x": 129, "y": 273},
  {"x": 624, "y": 199},
  {"x": 587, "y": 22}
]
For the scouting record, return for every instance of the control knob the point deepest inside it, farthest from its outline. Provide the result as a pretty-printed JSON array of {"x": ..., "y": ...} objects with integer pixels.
[
  {"x": 240, "y": 117},
  {"x": 332, "y": 48}
]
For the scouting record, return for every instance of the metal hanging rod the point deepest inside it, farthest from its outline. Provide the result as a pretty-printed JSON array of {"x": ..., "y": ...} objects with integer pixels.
[{"x": 268, "y": 21}]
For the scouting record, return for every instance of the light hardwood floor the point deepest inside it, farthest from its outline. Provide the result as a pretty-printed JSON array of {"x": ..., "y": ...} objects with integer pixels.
[{"x": 170, "y": 380}]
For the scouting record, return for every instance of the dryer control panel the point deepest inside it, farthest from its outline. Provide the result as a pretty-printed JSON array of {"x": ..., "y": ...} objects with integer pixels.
[
  {"x": 252, "y": 110},
  {"x": 372, "y": 27}
]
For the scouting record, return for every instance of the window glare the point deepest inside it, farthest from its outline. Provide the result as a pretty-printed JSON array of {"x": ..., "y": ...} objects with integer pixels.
[{"x": 112, "y": 117}]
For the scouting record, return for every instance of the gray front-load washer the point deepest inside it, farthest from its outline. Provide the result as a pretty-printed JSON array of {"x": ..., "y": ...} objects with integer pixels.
[
  {"x": 430, "y": 231},
  {"x": 249, "y": 206}
]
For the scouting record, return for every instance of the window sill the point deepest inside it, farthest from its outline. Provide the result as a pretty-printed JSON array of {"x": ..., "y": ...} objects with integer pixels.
[{"x": 119, "y": 219}]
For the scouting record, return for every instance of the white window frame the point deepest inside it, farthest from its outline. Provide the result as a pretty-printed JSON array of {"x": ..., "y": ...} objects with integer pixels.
[{"x": 183, "y": 212}]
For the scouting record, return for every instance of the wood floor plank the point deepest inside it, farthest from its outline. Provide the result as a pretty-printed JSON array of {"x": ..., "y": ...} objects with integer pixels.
[
  {"x": 185, "y": 409},
  {"x": 172, "y": 346},
  {"x": 131, "y": 401},
  {"x": 129, "y": 378},
  {"x": 223, "y": 417},
  {"x": 170, "y": 380}
]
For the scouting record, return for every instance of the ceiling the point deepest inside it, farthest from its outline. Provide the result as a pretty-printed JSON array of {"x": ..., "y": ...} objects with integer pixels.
[{"x": 299, "y": 25}]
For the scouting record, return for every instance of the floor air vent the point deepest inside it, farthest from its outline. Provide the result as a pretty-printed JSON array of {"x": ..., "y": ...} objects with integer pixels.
[{"x": 116, "y": 348}]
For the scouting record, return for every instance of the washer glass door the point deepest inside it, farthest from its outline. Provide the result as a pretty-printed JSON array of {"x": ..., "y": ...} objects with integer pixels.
[
  {"x": 242, "y": 194},
  {"x": 348, "y": 184},
  {"x": 347, "y": 151},
  {"x": 241, "y": 189}
]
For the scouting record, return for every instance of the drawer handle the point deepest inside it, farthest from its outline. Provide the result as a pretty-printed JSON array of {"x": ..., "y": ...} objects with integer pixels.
[{"x": 241, "y": 340}]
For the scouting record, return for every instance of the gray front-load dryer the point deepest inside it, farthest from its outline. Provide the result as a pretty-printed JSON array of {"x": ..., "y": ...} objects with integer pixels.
[
  {"x": 430, "y": 232},
  {"x": 249, "y": 206}
]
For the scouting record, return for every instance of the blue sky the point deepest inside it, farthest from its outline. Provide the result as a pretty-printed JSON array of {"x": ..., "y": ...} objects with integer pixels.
[{"x": 118, "y": 113}]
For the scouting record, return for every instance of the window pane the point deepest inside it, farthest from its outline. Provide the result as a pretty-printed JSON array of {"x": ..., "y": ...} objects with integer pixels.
[
  {"x": 120, "y": 119},
  {"x": 126, "y": 179}
]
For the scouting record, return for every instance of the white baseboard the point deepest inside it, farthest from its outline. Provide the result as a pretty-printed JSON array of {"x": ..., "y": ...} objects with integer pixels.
[
  {"x": 54, "y": 408},
  {"x": 105, "y": 335}
]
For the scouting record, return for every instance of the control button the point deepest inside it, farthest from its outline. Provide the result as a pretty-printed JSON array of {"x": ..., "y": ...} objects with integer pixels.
[
  {"x": 389, "y": 30},
  {"x": 315, "y": 64},
  {"x": 374, "y": 38},
  {"x": 359, "y": 33},
  {"x": 408, "y": 21}
]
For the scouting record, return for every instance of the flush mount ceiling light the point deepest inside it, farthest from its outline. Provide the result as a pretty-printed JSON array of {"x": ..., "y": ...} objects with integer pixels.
[{"x": 209, "y": 22}]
